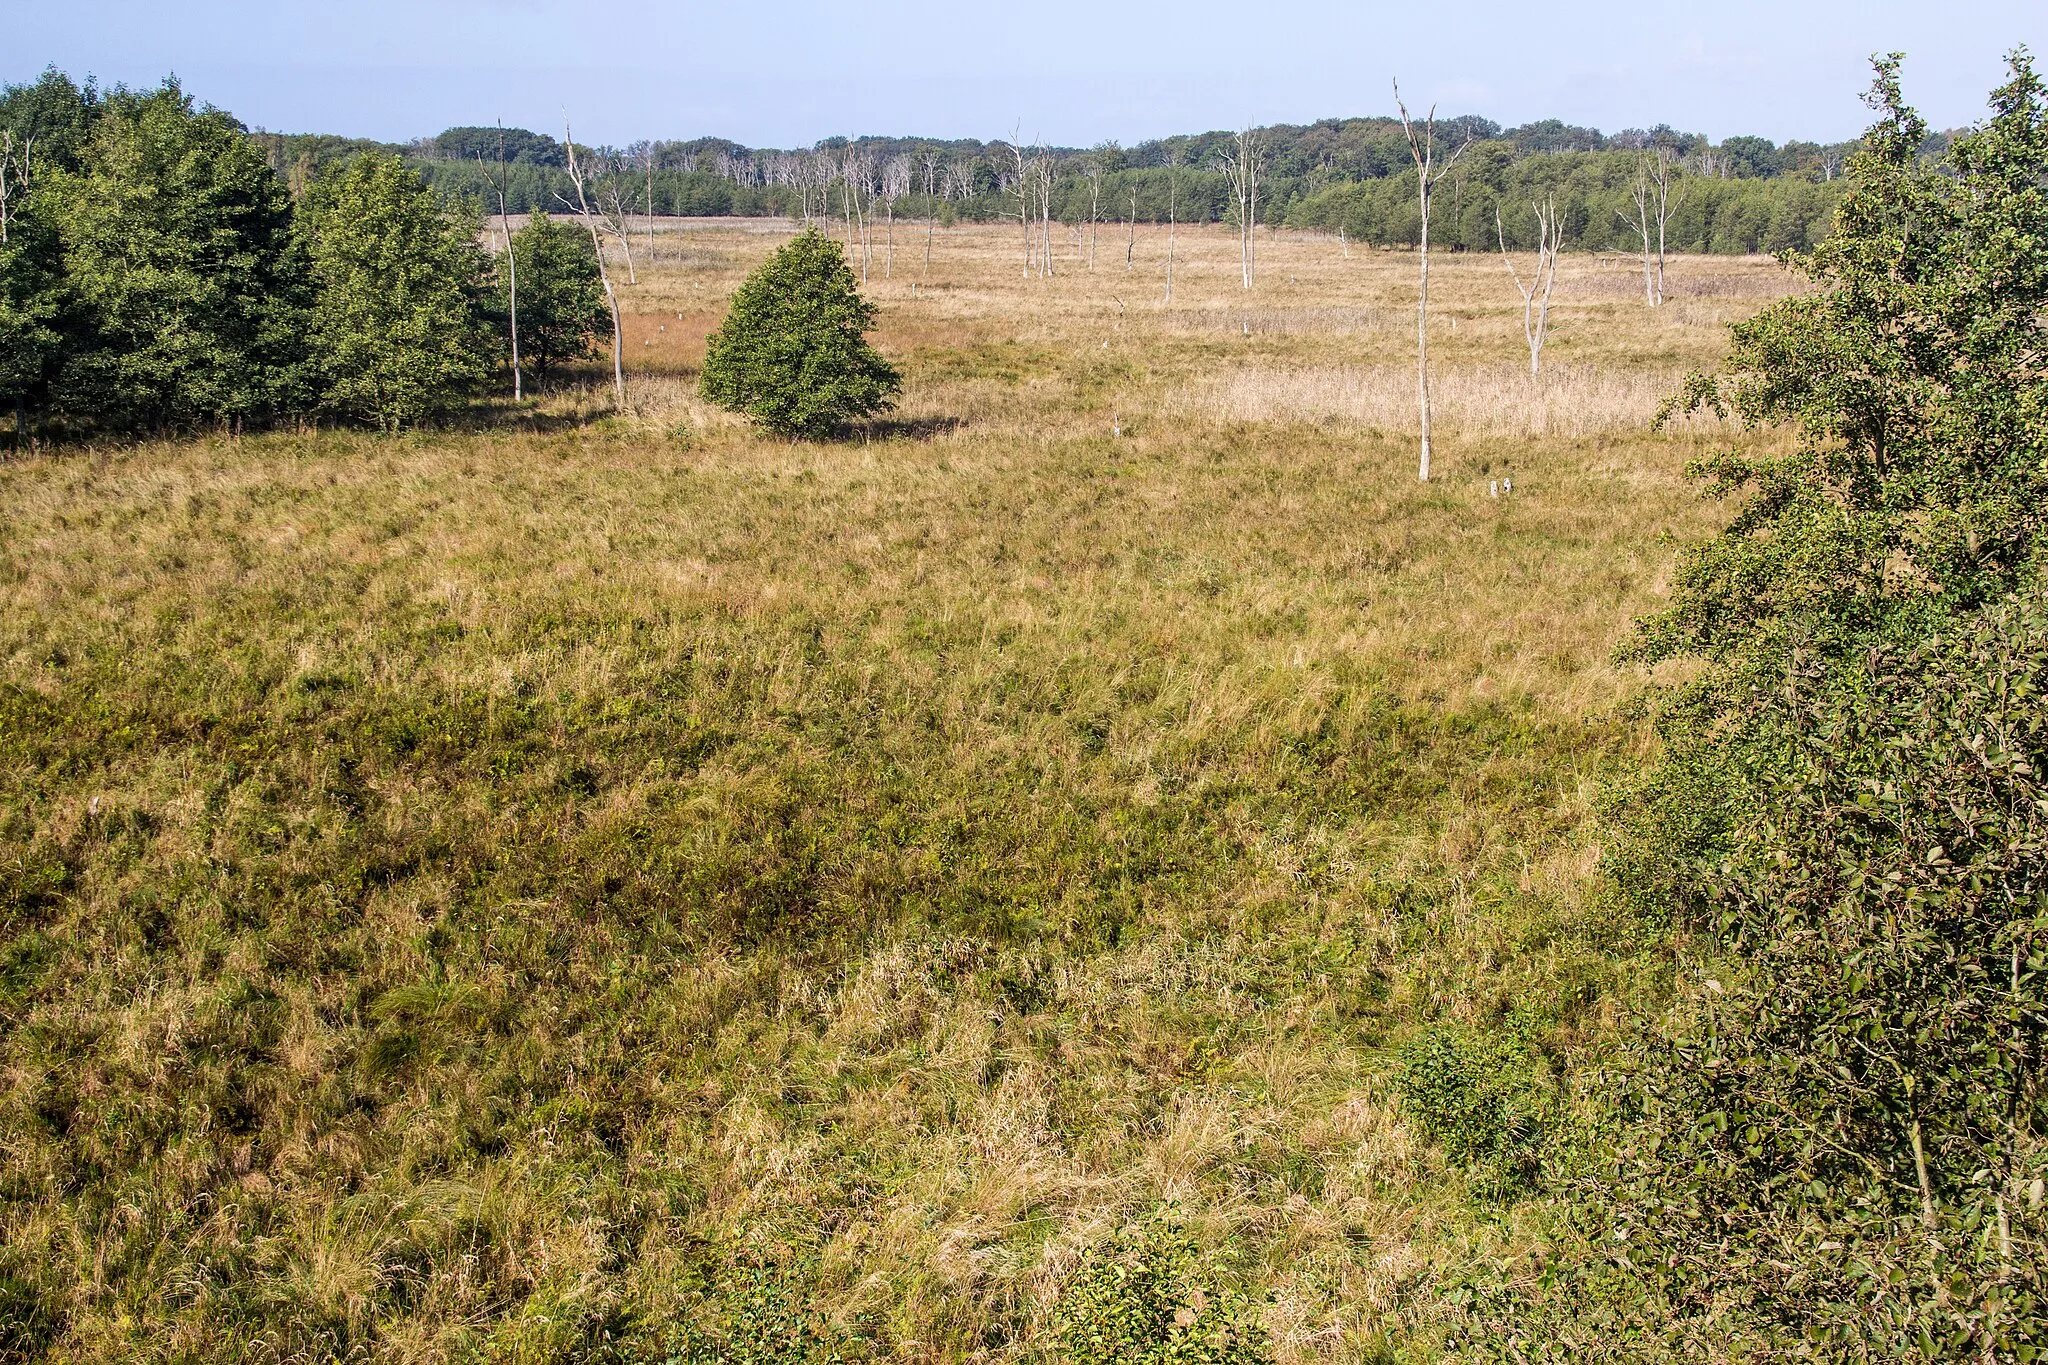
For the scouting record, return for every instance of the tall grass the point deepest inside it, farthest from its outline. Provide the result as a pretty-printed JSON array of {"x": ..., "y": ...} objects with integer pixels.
[{"x": 465, "y": 894}]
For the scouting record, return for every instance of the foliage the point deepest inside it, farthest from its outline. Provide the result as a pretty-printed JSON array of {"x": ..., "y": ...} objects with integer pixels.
[
  {"x": 1837, "y": 1141},
  {"x": 30, "y": 306},
  {"x": 791, "y": 352},
  {"x": 1477, "y": 1098},
  {"x": 49, "y": 120},
  {"x": 398, "y": 328},
  {"x": 185, "y": 283},
  {"x": 562, "y": 310},
  {"x": 1142, "y": 1299},
  {"x": 765, "y": 1320}
]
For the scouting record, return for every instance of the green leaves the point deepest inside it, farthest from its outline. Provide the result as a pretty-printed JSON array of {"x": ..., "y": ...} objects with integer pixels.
[
  {"x": 1141, "y": 1299},
  {"x": 561, "y": 297},
  {"x": 398, "y": 329},
  {"x": 791, "y": 353}
]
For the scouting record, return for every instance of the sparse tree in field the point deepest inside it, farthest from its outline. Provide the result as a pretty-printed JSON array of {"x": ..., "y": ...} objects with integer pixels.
[
  {"x": 1241, "y": 164},
  {"x": 1535, "y": 294},
  {"x": 1172, "y": 211},
  {"x": 1020, "y": 185},
  {"x": 511, "y": 269},
  {"x": 565, "y": 298},
  {"x": 1651, "y": 193},
  {"x": 895, "y": 185},
  {"x": 647, "y": 154},
  {"x": 1131, "y": 223},
  {"x": 1422, "y": 147},
  {"x": 398, "y": 328},
  {"x": 604, "y": 274},
  {"x": 930, "y": 163},
  {"x": 1098, "y": 166},
  {"x": 791, "y": 353},
  {"x": 1042, "y": 185}
]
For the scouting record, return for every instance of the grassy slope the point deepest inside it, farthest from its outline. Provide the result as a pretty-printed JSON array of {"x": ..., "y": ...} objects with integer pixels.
[{"x": 458, "y": 889}]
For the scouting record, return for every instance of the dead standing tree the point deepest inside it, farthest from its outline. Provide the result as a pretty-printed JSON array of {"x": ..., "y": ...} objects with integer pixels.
[
  {"x": 1098, "y": 166},
  {"x": 1042, "y": 169},
  {"x": 930, "y": 163},
  {"x": 1652, "y": 194},
  {"x": 1172, "y": 212},
  {"x": 604, "y": 274},
  {"x": 511, "y": 261},
  {"x": 1422, "y": 146},
  {"x": 895, "y": 185},
  {"x": 1535, "y": 294},
  {"x": 1241, "y": 164}
]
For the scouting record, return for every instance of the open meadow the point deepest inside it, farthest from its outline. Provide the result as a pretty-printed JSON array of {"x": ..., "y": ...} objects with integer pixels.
[{"x": 464, "y": 894}]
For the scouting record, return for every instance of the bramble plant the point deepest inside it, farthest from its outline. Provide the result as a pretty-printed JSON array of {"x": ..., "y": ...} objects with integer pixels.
[{"x": 792, "y": 353}]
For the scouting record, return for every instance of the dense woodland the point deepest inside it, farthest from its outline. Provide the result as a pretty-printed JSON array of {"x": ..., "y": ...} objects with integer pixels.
[{"x": 1745, "y": 194}]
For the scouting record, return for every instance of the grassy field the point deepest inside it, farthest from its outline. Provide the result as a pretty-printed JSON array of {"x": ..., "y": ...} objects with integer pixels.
[{"x": 460, "y": 894}]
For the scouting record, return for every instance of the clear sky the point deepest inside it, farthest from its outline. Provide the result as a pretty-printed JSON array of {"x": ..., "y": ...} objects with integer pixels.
[{"x": 1063, "y": 71}]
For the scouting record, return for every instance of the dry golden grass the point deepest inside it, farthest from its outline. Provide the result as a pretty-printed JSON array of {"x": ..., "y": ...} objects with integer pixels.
[{"x": 925, "y": 851}]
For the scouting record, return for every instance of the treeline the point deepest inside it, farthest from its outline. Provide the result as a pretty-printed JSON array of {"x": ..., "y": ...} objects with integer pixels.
[
  {"x": 1744, "y": 194},
  {"x": 156, "y": 274}
]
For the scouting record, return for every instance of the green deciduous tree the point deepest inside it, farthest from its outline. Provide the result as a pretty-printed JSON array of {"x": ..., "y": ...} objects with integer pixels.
[
  {"x": 1839, "y": 1143},
  {"x": 180, "y": 263},
  {"x": 791, "y": 353},
  {"x": 562, "y": 311},
  {"x": 400, "y": 329}
]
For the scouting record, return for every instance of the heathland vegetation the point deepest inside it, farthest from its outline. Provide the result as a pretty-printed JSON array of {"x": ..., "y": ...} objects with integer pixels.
[{"x": 1098, "y": 864}]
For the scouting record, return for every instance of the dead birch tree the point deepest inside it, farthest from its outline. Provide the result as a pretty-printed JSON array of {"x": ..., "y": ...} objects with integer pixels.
[
  {"x": 7, "y": 169},
  {"x": 1131, "y": 242},
  {"x": 511, "y": 263},
  {"x": 1172, "y": 212},
  {"x": 604, "y": 274},
  {"x": 930, "y": 162},
  {"x": 1098, "y": 166},
  {"x": 1242, "y": 167},
  {"x": 1642, "y": 194},
  {"x": 1020, "y": 186},
  {"x": 1536, "y": 294},
  {"x": 1042, "y": 169},
  {"x": 1664, "y": 176},
  {"x": 895, "y": 185},
  {"x": 1422, "y": 146}
]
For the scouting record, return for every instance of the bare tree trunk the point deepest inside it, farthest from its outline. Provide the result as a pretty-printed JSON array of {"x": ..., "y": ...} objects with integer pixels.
[
  {"x": 511, "y": 270},
  {"x": 1422, "y": 147},
  {"x": 1172, "y": 214},
  {"x": 1536, "y": 295},
  {"x": 1641, "y": 194},
  {"x": 604, "y": 273},
  {"x": 1131, "y": 242},
  {"x": 1666, "y": 206}
]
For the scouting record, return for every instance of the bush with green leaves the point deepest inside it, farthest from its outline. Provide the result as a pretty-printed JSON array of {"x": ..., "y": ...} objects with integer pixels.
[
  {"x": 562, "y": 312},
  {"x": 1478, "y": 1098},
  {"x": 1834, "y": 1147},
  {"x": 399, "y": 328},
  {"x": 792, "y": 353},
  {"x": 763, "y": 1316},
  {"x": 184, "y": 287},
  {"x": 1142, "y": 1299}
]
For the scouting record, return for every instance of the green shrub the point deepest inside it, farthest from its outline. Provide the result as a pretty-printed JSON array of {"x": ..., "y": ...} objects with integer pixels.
[
  {"x": 791, "y": 353},
  {"x": 399, "y": 329},
  {"x": 1142, "y": 1299},
  {"x": 1477, "y": 1098},
  {"x": 766, "y": 1319},
  {"x": 562, "y": 311}
]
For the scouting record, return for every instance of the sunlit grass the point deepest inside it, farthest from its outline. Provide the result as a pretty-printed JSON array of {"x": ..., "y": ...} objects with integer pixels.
[{"x": 461, "y": 889}]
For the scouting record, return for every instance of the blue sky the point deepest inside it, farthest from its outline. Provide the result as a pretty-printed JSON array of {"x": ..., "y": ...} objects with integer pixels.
[{"x": 1065, "y": 71}]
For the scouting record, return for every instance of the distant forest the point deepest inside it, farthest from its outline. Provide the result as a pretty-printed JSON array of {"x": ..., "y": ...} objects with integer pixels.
[{"x": 1349, "y": 176}]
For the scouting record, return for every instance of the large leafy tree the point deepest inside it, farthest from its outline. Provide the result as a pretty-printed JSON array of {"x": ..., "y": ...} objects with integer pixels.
[
  {"x": 400, "y": 326},
  {"x": 180, "y": 264},
  {"x": 562, "y": 309},
  {"x": 792, "y": 353},
  {"x": 1837, "y": 1141}
]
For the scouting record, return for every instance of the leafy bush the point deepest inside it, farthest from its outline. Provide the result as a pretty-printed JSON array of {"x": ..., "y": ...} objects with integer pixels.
[
  {"x": 1142, "y": 1300},
  {"x": 185, "y": 286},
  {"x": 1836, "y": 1141},
  {"x": 398, "y": 328},
  {"x": 561, "y": 297},
  {"x": 1477, "y": 1098},
  {"x": 766, "y": 1321},
  {"x": 791, "y": 353}
]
